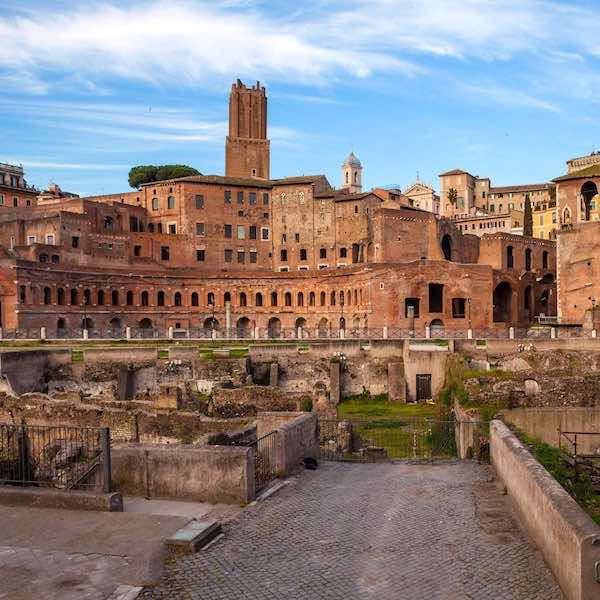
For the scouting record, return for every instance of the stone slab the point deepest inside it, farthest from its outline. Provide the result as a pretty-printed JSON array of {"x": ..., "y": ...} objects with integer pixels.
[
  {"x": 37, "y": 497},
  {"x": 193, "y": 536}
]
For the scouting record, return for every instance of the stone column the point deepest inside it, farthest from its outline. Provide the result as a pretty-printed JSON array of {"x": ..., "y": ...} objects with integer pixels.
[
  {"x": 85, "y": 334},
  {"x": 428, "y": 332},
  {"x": 42, "y": 333},
  {"x": 299, "y": 333},
  {"x": 396, "y": 382},
  {"x": 511, "y": 333},
  {"x": 274, "y": 375},
  {"x": 170, "y": 334},
  {"x": 228, "y": 318},
  {"x": 334, "y": 383},
  {"x": 385, "y": 332},
  {"x": 469, "y": 334},
  {"x": 128, "y": 333},
  {"x": 257, "y": 332},
  {"x": 553, "y": 332},
  {"x": 593, "y": 333}
]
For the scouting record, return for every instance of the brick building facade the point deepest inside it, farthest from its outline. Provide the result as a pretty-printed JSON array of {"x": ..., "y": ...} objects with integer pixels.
[{"x": 251, "y": 254}]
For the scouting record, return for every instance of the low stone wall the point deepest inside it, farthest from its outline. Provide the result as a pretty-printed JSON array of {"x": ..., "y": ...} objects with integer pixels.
[
  {"x": 544, "y": 424},
  {"x": 567, "y": 537},
  {"x": 297, "y": 437},
  {"x": 218, "y": 474}
]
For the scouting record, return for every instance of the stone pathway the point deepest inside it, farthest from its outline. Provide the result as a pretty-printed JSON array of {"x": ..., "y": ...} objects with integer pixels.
[{"x": 381, "y": 531}]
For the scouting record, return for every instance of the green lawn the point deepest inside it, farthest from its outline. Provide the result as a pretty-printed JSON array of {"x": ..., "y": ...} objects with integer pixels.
[{"x": 366, "y": 407}]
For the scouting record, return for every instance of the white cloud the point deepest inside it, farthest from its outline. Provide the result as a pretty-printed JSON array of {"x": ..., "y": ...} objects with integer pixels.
[
  {"x": 509, "y": 97},
  {"x": 70, "y": 166}
]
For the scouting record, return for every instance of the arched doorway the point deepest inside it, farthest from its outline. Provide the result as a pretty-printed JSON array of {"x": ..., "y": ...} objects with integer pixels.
[
  {"x": 243, "y": 327},
  {"x": 342, "y": 323},
  {"x": 274, "y": 328},
  {"x": 447, "y": 247},
  {"x": 210, "y": 324},
  {"x": 436, "y": 327},
  {"x": 323, "y": 328},
  {"x": 61, "y": 328},
  {"x": 146, "y": 329},
  {"x": 300, "y": 324},
  {"x": 115, "y": 328},
  {"x": 589, "y": 191},
  {"x": 502, "y": 301},
  {"x": 87, "y": 323}
]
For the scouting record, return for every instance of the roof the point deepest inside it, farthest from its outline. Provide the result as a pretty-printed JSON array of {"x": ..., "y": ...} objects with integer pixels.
[
  {"x": 454, "y": 172},
  {"x": 299, "y": 179},
  {"x": 352, "y": 160},
  {"x": 218, "y": 180},
  {"x": 342, "y": 195},
  {"x": 591, "y": 171},
  {"x": 520, "y": 188}
]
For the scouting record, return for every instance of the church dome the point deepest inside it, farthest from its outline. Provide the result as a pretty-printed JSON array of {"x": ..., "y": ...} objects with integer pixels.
[{"x": 352, "y": 161}]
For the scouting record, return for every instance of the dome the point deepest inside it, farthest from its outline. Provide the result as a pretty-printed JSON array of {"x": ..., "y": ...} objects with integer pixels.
[{"x": 352, "y": 161}]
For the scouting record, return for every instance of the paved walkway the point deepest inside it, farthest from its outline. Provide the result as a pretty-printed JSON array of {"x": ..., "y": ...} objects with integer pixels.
[{"x": 382, "y": 531}]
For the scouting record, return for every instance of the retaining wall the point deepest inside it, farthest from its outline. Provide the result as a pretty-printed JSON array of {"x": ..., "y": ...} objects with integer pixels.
[
  {"x": 217, "y": 474},
  {"x": 567, "y": 537}
]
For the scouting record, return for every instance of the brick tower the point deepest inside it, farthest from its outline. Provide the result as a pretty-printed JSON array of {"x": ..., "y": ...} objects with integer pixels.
[{"x": 247, "y": 149}]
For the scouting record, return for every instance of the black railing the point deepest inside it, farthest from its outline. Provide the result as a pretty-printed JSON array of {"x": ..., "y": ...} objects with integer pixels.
[
  {"x": 60, "y": 457},
  {"x": 265, "y": 460},
  {"x": 583, "y": 444}
]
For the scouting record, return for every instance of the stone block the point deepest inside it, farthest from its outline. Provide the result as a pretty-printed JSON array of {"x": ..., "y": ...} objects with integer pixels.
[
  {"x": 192, "y": 537},
  {"x": 396, "y": 382}
]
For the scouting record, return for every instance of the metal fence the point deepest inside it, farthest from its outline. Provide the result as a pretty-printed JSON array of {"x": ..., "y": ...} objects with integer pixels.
[
  {"x": 263, "y": 333},
  {"x": 583, "y": 444},
  {"x": 368, "y": 440},
  {"x": 265, "y": 460},
  {"x": 59, "y": 457}
]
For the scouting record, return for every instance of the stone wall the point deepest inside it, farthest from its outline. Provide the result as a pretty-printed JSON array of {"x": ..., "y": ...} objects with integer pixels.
[
  {"x": 217, "y": 474},
  {"x": 560, "y": 528},
  {"x": 544, "y": 424}
]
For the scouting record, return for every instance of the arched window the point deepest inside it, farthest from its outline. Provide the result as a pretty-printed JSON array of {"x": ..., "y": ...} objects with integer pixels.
[
  {"x": 273, "y": 298},
  {"x": 322, "y": 298},
  {"x": 342, "y": 298},
  {"x": 258, "y": 300},
  {"x": 47, "y": 295},
  {"x": 129, "y": 298},
  {"x": 210, "y": 299},
  {"x": 145, "y": 298},
  {"x": 43, "y": 258},
  {"x": 528, "y": 259},
  {"x": 545, "y": 259},
  {"x": 100, "y": 297},
  {"x": 160, "y": 298},
  {"x": 114, "y": 298},
  {"x": 355, "y": 297},
  {"x": 347, "y": 178},
  {"x": 74, "y": 297},
  {"x": 195, "y": 299},
  {"x": 87, "y": 297},
  {"x": 177, "y": 298},
  {"x": 300, "y": 299},
  {"x": 227, "y": 297},
  {"x": 288, "y": 299},
  {"x": 60, "y": 296},
  {"x": 355, "y": 176},
  {"x": 311, "y": 299},
  {"x": 243, "y": 299},
  {"x": 332, "y": 301},
  {"x": 55, "y": 259}
]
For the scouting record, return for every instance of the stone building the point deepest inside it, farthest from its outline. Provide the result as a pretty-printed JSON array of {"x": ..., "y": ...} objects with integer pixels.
[
  {"x": 14, "y": 191},
  {"x": 423, "y": 196},
  {"x": 249, "y": 255}
]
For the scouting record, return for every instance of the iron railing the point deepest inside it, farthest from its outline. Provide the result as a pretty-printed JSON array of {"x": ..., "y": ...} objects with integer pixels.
[
  {"x": 265, "y": 459},
  {"x": 368, "y": 440},
  {"x": 59, "y": 457},
  {"x": 583, "y": 444}
]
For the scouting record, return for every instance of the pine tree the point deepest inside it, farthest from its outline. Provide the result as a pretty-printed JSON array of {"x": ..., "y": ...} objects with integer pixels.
[{"x": 528, "y": 218}]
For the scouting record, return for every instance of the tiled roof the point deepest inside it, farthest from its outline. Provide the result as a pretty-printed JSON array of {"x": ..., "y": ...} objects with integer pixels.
[
  {"x": 591, "y": 171},
  {"x": 454, "y": 172},
  {"x": 299, "y": 179},
  {"x": 218, "y": 180},
  {"x": 520, "y": 188}
]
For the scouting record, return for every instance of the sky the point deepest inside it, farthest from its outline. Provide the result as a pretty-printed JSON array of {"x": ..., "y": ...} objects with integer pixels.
[{"x": 508, "y": 89}]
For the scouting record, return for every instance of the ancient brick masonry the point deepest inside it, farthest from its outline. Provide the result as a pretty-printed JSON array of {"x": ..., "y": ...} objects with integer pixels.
[{"x": 256, "y": 255}]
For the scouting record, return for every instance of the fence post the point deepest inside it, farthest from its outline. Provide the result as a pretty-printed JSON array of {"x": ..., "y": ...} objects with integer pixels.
[
  {"x": 128, "y": 333},
  {"x": 553, "y": 332},
  {"x": 427, "y": 332},
  {"x": 511, "y": 333},
  {"x": 85, "y": 334},
  {"x": 342, "y": 333},
  {"x": 1, "y": 333},
  {"x": 42, "y": 333},
  {"x": 170, "y": 334},
  {"x": 469, "y": 334},
  {"x": 385, "y": 332},
  {"x": 106, "y": 466},
  {"x": 593, "y": 333}
]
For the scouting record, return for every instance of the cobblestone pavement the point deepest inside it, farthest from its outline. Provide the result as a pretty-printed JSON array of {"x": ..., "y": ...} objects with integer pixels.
[{"x": 381, "y": 531}]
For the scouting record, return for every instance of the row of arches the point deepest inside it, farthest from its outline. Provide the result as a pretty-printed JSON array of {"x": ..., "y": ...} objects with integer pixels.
[
  {"x": 528, "y": 260},
  {"x": 76, "y": 296}
]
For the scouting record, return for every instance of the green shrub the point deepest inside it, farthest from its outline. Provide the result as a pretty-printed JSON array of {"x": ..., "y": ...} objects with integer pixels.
[{"x": 306, "y": 405}]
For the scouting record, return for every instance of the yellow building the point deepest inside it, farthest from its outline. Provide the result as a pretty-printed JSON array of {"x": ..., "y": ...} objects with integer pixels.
[{"x": 544, "y": 221}]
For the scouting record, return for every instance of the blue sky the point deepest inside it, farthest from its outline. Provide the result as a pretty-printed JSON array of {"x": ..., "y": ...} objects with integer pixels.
[{"x": 508, "y": 89}]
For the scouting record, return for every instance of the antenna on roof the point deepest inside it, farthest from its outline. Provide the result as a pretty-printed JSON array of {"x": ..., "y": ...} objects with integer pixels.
[{"x": 418, "y": 176}]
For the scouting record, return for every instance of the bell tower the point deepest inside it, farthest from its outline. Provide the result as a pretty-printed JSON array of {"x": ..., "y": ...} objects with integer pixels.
[
  {"x": 352, "y": 174},
  {"x": 247, "y": 149}
]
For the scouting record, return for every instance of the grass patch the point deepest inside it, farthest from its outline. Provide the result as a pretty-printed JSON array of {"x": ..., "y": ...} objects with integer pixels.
[
  {"x": 366, "y": 406},
  {"x": 578, "y": 485},
  {"x": 163, "y": 354},
  {"x": 77, "y": 356}
]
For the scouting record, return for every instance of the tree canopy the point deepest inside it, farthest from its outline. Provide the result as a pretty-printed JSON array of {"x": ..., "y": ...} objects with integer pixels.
[
  {"x": 452, "y": 196},
  {"x": 528, "y": 217},
  {"x": 148, "y": 173}
]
